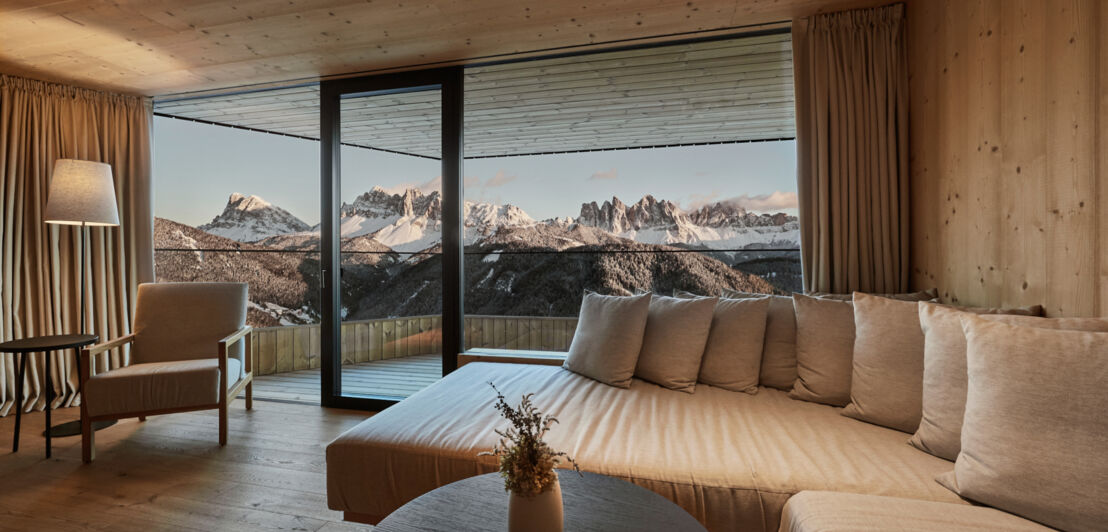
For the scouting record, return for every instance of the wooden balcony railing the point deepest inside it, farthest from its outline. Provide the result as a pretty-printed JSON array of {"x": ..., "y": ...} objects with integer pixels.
[{"x": 296, "y": 347}]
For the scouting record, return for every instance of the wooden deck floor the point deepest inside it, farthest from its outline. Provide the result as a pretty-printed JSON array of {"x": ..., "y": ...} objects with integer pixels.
[
  {"x": 398, "y": 377},
  {"x": 170, "y": 473}
]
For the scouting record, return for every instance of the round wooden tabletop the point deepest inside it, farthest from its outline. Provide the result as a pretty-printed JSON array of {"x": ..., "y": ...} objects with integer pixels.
[
  {"x": 590, "y": 501},
  {"x": 48, "y": 343}
]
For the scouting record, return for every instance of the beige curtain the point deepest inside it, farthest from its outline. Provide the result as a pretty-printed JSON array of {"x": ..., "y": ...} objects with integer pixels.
[
  {"x": 39, "y": 264},
  {"x": 851, "y": 77}
]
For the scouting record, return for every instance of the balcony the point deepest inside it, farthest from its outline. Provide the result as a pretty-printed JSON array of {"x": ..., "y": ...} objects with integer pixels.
[{"x": 396, "y": 356}]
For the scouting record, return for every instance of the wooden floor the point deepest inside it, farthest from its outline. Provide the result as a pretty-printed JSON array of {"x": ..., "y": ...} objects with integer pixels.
[
  {"x": 398, "y": 377},
  {"x": 169, "y": 473}
]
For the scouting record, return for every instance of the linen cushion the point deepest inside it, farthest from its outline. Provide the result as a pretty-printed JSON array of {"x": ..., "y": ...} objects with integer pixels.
[
  {"x": 609, "y": 337},
  {"x": 184, "y": 321},
  {"x": 733, "y": 355},
  {"x": 157, "y": 386},
  {"x": 834, "y": 511},
  {"x": 924, "y": 295},
  {"x": 673, "y": 342},
  {"x": 886, "y": 385},
  {"x": 778, "y": 368},
  {"x": 944, "y": 368},
  {"x": 824, "y": 350},
  {"x": 1033, "y": 437}
]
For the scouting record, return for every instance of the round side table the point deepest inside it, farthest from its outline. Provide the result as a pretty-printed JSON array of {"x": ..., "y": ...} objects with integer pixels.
[
  {"x": 591, "y": 502},
  {"x": 43, "y": 344}
]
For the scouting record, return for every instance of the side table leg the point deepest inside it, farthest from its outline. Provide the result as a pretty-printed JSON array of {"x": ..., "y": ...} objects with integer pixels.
[
  {"x": 49, "y": 399},
  {"x": 22, "y": 362}
]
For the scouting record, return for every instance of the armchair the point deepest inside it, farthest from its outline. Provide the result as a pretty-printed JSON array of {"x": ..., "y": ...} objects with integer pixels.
[{"x": 190, "y": 350}]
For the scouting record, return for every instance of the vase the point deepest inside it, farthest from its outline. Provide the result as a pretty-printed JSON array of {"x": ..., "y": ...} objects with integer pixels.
[{"x": 536, "y": 513}]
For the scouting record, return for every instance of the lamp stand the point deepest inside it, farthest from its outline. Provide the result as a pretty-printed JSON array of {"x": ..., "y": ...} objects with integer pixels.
[{"x": 73, "y": 428}]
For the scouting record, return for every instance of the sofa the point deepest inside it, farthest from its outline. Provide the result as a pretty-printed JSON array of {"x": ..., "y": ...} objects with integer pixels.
[{"x": 756, "y": 460}]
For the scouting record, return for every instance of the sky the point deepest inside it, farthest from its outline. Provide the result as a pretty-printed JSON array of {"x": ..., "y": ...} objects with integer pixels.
[{"x": 198, "y": 166}]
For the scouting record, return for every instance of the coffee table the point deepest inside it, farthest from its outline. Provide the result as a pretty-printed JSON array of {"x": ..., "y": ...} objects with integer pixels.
[{"x": 591, "y": 502}]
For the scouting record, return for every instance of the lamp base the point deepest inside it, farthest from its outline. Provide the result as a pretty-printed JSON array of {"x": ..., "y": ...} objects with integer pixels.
[{"x": 73, "y": 428}]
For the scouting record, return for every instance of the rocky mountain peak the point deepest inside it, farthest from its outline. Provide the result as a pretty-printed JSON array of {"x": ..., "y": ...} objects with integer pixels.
[{"x": 251, "y": 218}]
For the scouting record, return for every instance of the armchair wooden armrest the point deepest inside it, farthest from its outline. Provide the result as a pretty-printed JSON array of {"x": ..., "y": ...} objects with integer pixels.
[
  {"x": 247, "y": 381},
  {"x": 232, "y": 338},
  {"x": 110, "y": 344}
]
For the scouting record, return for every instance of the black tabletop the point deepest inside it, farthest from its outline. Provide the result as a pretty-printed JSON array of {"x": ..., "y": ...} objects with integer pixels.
[
  {"x": 48, "y": 343},
  {"x": 590, "y": 502}
]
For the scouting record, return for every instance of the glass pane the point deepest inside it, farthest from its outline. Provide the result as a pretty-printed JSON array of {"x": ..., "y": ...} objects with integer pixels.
[
  {"x": 243, "y": 206},
  {"x": 391, "y": 223},
  {"x": 542, "y": 229}
]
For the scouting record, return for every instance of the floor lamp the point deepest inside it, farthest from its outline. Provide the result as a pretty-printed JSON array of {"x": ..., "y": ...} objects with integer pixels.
[{"x": 81, "y": 193}]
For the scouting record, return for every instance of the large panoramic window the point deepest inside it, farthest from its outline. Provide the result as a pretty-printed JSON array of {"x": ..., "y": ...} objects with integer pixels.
[{"x": 663, "y": 169}]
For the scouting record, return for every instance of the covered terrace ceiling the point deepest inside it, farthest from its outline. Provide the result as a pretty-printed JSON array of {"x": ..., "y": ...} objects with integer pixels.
[{"x": 732, "y": 90}]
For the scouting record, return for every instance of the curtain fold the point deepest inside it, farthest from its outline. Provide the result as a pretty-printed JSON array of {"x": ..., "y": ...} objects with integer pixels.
[
  {"x": 851, "y": 84},
  {"x": 40, "y": 264}
]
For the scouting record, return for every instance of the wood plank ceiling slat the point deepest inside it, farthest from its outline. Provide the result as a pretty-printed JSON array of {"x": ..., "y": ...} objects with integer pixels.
[{"x": 716, "y": 91}]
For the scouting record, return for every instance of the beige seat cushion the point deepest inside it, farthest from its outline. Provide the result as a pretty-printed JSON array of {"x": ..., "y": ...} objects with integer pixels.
[
  {"x": 609, "y": 337},
  {"x": 828, "y": 511},
  {"x": 673, "y": 342},
  {"x": 1033, "y": 440},
  {"x": 778, "y": 368},
  {"x": 886, "y": 384},
  {"x": 157, "y": 386},
  {"x": 730, "y": 459},
  {"x": 944, "y": 371},
  {"x": 824, "y": 350}
]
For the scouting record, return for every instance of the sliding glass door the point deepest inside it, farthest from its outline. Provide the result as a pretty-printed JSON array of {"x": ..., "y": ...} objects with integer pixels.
[{"x": 391, "y": 163}]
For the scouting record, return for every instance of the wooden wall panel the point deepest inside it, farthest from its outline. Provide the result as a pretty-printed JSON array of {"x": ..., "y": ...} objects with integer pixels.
[{"x": 1007, "y": 145}]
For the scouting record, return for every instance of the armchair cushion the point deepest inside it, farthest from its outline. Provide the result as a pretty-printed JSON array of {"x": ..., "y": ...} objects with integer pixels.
[
  {"x": 186, "y": 321},
  {"x": 157, "y": 386}
]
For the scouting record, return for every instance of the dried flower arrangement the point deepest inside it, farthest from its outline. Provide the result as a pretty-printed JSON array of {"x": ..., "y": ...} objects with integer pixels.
[{"x": 526, "y": 461}]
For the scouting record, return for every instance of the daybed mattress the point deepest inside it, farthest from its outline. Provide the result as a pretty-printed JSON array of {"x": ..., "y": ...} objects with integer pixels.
[{"x": 730, "y": 459}]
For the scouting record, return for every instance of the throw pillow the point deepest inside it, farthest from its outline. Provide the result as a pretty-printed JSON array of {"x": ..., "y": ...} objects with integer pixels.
[
  {"x": 944, "y": 368},
  {"x": 1034, "y": 431},
  {"x": 886, "y": 384},
  {"x": 673, "y": 344},
  {"x": 824, "y": 350},
  {"x": 778, "y": 368},
  {"x": 733, "y": 355},
  {"x": 609, "y": 337}
]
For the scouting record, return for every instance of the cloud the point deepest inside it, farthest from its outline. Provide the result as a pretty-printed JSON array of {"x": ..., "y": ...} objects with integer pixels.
[
  {"x": 702, "y": 174},
  {"x": 604, "y": 175},
  {"x": 697, "y": 201},
  {"x": 499, "y": 180},
  {"x": 471, "y": 182},
  {"x": 777, "y": 201},
  {"x": 431, "y": 185}
]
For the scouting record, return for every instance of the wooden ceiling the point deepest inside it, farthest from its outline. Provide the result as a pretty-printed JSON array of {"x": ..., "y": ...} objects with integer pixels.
[
  {"x": 729, "y": 90},
  {"x": 160, "y": 47}
]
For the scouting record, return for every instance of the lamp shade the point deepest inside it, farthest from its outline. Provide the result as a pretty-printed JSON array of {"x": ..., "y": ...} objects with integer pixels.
[{"x": 82, "y": 192}]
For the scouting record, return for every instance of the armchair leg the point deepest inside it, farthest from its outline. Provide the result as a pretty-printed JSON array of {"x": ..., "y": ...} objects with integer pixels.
[
  {"x": 88, "y": 443},
  {"x": 223, "y": 421},
  {"x": 250, "y": 395},
  {"x": 142, "y": 418}
]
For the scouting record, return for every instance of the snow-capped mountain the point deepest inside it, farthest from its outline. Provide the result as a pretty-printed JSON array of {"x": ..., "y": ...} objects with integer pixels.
[
  {"x": 716, "y": 226},
  {"x": 250, "y": 218},
  {"x": 412, "y": 221}
]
